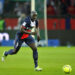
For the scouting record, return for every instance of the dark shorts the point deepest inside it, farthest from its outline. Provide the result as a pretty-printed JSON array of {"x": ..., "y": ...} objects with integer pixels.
[{"x": 18, "y": 41}]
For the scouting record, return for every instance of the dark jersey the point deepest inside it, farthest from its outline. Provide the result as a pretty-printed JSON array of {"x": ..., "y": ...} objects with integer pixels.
[{"x": 27, "y": 25}]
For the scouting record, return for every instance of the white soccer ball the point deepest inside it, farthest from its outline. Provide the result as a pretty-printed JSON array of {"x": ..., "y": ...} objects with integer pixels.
[{"x": 67, "y": 69}]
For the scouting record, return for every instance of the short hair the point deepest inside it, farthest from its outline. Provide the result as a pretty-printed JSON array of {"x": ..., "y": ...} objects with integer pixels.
[{"x": 33, "y": 12}]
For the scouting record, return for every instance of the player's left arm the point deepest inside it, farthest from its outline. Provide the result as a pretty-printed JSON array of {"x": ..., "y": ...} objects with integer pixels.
[{"x": 38, "y": 33}]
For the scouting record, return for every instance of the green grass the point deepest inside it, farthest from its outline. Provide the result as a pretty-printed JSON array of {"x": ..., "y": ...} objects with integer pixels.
[{"x": 50, "y": 59}]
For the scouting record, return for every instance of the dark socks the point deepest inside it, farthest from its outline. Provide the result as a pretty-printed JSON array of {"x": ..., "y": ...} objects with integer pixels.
[
  {"x": 9, "y": 52},
  {"x": 35, "y": 57}
]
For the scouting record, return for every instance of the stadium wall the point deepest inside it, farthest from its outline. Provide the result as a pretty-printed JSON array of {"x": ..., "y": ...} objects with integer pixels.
[
  {"x": 63, "y": 37},
  {"x": 61, "y": 30},
  {"x": 52, "y": 23}
]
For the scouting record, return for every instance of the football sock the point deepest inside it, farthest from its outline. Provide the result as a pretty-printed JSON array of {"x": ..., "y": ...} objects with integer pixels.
[
  {"x": 9, "y": 52},
  {"x": 35, "y": 57}
]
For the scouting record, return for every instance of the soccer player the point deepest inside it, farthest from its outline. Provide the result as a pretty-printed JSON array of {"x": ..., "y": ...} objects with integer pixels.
[{"x": 24, "y": 35}]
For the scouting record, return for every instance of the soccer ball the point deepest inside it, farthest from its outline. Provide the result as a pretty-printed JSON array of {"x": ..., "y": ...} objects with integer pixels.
[{"x": 67, "y": 69}]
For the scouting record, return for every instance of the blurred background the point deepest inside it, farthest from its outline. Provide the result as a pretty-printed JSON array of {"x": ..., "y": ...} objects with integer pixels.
[{"x": 60, "y": 21}]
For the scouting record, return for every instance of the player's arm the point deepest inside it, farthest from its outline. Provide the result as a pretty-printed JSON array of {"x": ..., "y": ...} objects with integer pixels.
[
  {"x": 23, "y": 29},
  {"x": 37, "y": 33},
  {"x": 26, "y": 32}
]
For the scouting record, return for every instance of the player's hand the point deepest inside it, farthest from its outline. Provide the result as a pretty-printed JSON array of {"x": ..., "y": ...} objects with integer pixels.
[
  {"x": 33, "y": 33},
  {"x": 38, "y": 38}
]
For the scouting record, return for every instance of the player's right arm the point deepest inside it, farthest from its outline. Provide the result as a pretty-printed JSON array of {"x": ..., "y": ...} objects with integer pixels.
[{"x": 25, "y": 31}]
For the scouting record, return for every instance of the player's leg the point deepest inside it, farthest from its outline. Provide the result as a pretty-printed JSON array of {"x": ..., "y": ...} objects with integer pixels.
[
  {"x": 17, "y": 46},
  {"x": 35, "y": 56},
  {"x": 31, "y": 43},
  {"x": 35, "y": 53}
]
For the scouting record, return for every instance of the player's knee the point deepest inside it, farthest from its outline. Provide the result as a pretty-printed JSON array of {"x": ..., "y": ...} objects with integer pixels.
[
  {"x": 34, "y": 49},
  {"x": 15, "y": 51}
]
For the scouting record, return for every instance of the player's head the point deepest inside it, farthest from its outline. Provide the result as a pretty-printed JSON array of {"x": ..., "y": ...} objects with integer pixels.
[{"x": 33, "y": 15}]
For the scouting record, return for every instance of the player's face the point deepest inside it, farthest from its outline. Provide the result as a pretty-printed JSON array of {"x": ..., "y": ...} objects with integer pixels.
[{"x": 34, "y": 17}]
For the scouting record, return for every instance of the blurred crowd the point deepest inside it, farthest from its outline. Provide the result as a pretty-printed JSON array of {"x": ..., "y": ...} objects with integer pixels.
[
  {"x": 60, "y": 7},
  {"x": 21, "y": 9},
  {"x": 16, "y": 8}
]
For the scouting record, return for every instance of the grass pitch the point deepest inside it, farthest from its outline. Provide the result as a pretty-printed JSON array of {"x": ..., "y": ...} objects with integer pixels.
[{"x": 50, "y": 59}]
